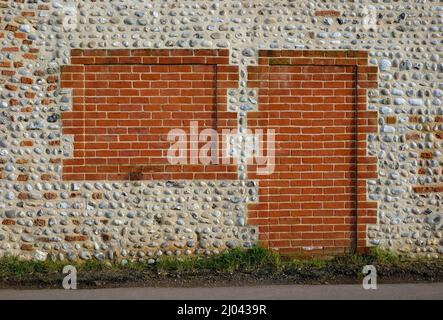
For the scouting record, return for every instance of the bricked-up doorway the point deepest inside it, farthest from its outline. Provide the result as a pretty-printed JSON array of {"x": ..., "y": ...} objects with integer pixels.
[
  {"x": 125, "y": 102},
  {"x": 316, "y": 199}
]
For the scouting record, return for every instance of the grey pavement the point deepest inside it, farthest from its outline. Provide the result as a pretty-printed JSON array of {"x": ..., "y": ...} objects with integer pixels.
[{"x": 282, "y": 292}]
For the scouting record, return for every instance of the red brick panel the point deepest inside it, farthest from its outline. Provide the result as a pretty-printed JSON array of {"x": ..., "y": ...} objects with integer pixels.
[
  {"x": 315, "y": 201},
  {"x": 125, "y": 102}
]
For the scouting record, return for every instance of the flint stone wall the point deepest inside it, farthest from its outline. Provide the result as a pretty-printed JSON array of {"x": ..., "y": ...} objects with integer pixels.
[{"x": 44, "y": 216}]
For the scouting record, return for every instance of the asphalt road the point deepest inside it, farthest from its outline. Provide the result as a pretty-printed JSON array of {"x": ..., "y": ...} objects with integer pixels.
[{"x": 296, "y": 292}]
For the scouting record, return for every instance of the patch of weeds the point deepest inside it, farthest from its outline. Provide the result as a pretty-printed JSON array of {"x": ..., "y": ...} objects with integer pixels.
[
  {"x": 132, "y": 265},
  {"x": 93, "y": 265},
  {"x": 179, "y": 264},
  {"x": 14, "y": 266},
  {"x": 297, "y": 264},
  {"x": 383, "y": 257},
  {"x": 250, "y": 260}
]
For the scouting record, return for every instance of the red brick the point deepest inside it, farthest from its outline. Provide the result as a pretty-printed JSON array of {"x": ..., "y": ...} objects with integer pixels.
[
  {"x": 76, "y": 238},
  {"x": 328, "y": 13}
]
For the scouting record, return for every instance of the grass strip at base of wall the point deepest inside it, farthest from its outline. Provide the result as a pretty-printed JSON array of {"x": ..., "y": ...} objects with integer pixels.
[{"x": 253, "y": 260}]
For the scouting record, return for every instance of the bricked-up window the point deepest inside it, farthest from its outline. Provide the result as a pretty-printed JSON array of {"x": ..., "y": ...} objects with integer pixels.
[
  {"x": 427, "y": 161},
  {"x": 125, "y": 102},
  {"x": 316, "y": 199}
]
